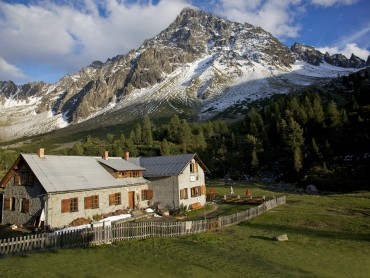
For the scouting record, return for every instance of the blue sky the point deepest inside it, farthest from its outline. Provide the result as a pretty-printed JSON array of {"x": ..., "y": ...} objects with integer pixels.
[{"x": 42, "y": 40}]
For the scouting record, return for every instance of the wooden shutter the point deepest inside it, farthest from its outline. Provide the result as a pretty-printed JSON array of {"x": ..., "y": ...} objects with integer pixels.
[
  {"x": 203, "y": 190},
  {"x": 112, "y": 199},
  {"x": 17, "y": 179},
  {"x": 150, "y": 194},
  {"x": 7, "y": 204},
  {"x": 88, "y": 202},
  {"x": 65, "y": 205}
]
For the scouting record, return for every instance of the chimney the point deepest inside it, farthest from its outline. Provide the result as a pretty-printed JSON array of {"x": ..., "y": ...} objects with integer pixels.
[
  {"x": 127, "y": 156},
  {"x": 41, "y": 152},
  {"x": 105, "y": 155}
]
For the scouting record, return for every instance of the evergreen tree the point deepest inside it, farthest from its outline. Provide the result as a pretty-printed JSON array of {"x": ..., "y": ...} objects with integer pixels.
[
  {"x": 316, "y": 149},
  {"x": 251, "y": 149},
  {"x": 122, "y": 139},
  {"x": 334, "y": 117},
  {"x": 110, "y": 138},
  {"x": 165, "y": 148},
  {"x": 138, "y": 134},
  {"x": 174, "y": 129},
  {"x": 185, "y": 135},
  {"x": 77, "y": 149},
  {"x": 147, "y": 131},
  {"x": 318, "y": 110}
]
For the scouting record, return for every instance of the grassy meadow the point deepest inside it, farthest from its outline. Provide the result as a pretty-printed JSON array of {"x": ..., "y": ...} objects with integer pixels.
[{"x": 329, "y": 236}]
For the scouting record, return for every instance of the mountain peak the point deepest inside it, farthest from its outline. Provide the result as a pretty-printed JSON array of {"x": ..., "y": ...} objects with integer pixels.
[
  {"x": 313, "y": 56},
  {"x": 201, "y": 64}
]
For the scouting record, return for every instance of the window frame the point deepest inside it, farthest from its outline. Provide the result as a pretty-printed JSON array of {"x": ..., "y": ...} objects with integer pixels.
[
  {"x": 69, "y": 205},
  {"x": 115, "y": 199},
  {"x": 91, "y": 202},
  {"x": 146, "y": 194},
  {"x": 25, "y": 205},
  {"x": 184, "y": 195}
]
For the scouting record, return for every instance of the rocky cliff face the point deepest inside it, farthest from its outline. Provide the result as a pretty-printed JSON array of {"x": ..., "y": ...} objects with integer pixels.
[
  {"x": 200, "y": 61},
  {"x": 312, "y": 56}
]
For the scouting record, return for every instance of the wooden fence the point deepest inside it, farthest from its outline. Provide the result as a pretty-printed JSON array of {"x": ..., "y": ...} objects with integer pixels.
[{"x": 127, "y": 231}]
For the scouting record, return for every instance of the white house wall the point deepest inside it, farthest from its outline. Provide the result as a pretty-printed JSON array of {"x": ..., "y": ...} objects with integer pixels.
[
  {"x": 167, "y": 189},
  {"x": 188, "y": 180}
]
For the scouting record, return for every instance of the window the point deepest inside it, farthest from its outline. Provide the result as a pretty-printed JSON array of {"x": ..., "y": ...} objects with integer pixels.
[
  {"x": 17, "y": 179},
  {"x": 114, "y": 199},
  {"x": 195, "y": 191},
  {"x": 183, "y": 193},
  {"x": 92, "y": 202},
  {"x": 146, "y": 194},
  {"x": 9, "y": 203},
  {"x": 25, "y": 205},
  {"x": 193, "y": 167},
  {"x": 23, "y": 177},
  {"x": 69, "y": 205}
]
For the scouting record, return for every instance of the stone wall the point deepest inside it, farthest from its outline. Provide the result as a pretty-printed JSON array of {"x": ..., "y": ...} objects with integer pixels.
[
  {"x": 55, "y": 217},
  {"x": 36, "y": 196}
]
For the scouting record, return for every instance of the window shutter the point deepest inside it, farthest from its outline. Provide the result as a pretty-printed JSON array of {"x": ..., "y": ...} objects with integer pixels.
[
  {"x": 203, "y": 190},
  {"x": 112, "y": 199},
  {"x": 17, "y": 179},
  {"x": 65, "y": 205},
  {"x": 6, "y": 203},
  {"x": 96, "y": 201},
  {"x": 88, "y": 202},
  {"x": 150, "y": 194}
]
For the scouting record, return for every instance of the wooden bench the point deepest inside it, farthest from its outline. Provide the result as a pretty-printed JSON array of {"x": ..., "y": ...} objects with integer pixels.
[{"x": 196, "y": 205}]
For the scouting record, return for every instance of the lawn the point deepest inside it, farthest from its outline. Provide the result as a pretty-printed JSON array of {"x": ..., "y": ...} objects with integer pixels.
[{"x": 329, "y": 236}]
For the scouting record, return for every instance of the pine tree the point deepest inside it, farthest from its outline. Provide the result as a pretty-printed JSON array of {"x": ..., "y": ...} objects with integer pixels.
[
  {"x": 297, "y": 159},
  {"x": 174, "y": 129},
  {"x": 165, "y": 147},
  {"x": 316, "y": 149},
  {"x": 318, "y": 110},
  {"x": 138, "y": 134},
  {"x": 334, "y": 117},
  {"x": 147, "y": 131},
  {"x": 185, "y": 135},
  {"x": 251, "y": 149}
]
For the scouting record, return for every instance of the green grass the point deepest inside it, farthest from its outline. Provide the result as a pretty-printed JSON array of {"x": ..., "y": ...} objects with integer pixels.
[{"x": 328, "y": 237}]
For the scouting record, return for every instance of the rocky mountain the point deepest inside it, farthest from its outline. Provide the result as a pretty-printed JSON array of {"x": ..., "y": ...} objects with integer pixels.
[
  {"x": 312, "y": 56},
  {"x": 200, "y": 65}
]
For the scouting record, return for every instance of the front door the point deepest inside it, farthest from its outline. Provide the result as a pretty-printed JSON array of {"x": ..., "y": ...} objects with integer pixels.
[{"x": 131, "y": 199}]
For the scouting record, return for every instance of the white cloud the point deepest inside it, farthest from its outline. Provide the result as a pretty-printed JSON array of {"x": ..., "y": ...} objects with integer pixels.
[
  {"x": 10, "y": 72},
  {"x": 347, "y": 50},
  {"x": 329, "y": 3},
  {"x": 276, "y": 17},
  {"x": 68, "y": 34}
]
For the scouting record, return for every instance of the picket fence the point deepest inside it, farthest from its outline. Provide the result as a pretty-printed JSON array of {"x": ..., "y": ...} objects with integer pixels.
[{"x": 127, "y": 231}]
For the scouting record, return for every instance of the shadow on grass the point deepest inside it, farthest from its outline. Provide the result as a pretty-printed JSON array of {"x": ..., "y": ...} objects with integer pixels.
[
  {"x": 309, "y": 232},
  {"x": 262, "y": 237}
]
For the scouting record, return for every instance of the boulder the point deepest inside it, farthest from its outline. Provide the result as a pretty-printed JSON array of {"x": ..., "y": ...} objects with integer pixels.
[
  {"x": 283, "y": 237},
  {"x": 311, "y": 189}
]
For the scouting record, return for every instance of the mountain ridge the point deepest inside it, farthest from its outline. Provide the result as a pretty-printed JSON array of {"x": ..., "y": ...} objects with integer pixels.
[{"x": 200, "y": 61}]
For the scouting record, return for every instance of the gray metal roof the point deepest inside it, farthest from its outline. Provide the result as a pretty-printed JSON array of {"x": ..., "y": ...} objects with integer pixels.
[
  {"x": 119, "y": 164},
  {"x": 73, "y": 173},
  {"x": 169, "y": 165}
]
